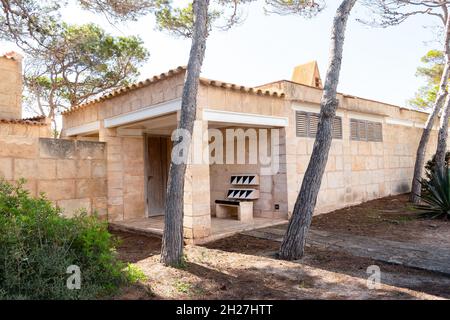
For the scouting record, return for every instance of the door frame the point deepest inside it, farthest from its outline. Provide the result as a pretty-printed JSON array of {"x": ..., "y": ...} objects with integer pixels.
[{"x": 146, "y": 168}]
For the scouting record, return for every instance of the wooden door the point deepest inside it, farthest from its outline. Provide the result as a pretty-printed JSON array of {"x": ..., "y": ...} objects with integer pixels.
[{"x": 157, "y": 173}]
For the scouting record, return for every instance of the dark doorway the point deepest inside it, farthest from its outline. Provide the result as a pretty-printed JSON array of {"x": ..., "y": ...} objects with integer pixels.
[{"x": 158, "y": 161}]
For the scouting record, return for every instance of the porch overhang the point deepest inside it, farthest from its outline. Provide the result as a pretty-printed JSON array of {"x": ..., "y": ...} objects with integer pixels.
[
  {"x": 244, "y": 118},
  {"x": 143, "y": 114},
  {"x": 83, "y": 130}
]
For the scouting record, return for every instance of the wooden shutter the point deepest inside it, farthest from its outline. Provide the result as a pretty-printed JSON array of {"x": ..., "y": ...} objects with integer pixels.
[
  {"x": 370, "y": 131},
  {"x": 378, "y": 132},
  {"x": 337, "y": 128},
  {"x": 354, "y": 129},
  {"x": 301, "y": 122},
  {"x": 362, "y": 130},
  {"x": 307, "y": 123},
  {"x": 313, "y": 124}
]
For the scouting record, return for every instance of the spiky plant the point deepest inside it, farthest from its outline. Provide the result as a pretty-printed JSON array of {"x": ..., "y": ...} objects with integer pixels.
[{"x": 436, "y": 198}]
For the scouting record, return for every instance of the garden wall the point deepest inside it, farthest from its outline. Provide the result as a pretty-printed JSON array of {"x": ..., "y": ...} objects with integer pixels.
[{"x": 72, "y": 174}]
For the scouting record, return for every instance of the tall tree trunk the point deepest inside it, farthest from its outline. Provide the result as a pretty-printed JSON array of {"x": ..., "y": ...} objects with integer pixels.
[
  {"x": 416, "y": 187},
  {"x": 293, "y": 244},
  {"x": 172, "y": 244},
  {"x": 441, "y": 148}
]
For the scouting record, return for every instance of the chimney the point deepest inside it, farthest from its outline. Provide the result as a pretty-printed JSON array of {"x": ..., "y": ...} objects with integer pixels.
[
  {"x": 308, "y": 74},
  {"x": 11, "y": 86}
]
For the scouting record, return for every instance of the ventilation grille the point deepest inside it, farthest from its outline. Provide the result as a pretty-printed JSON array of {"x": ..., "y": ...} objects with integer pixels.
[
  {"x": 245, "y": 179},
  {"x": 307, "y": 122},
  {"x": 243, "y": 194}
]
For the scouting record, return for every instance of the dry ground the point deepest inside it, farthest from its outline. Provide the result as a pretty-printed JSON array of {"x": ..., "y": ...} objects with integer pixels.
[
  {"x": 242, "y": 267},
  {"x": 391, "y": 218}
]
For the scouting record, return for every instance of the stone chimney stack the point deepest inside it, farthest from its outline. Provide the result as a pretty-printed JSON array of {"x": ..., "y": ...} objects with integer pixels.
[
  {"x": 308, "y": 74},
  {"x": 11, "y": 85}
]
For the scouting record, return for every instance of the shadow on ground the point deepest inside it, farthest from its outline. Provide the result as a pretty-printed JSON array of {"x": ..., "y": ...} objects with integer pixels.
[
  {"x": 243, "y": 267},
  {"x": 339, "y": 262}
]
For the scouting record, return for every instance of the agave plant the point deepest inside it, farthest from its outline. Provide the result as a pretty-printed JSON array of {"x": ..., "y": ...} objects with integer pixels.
[{"x": 436, "y": 195}]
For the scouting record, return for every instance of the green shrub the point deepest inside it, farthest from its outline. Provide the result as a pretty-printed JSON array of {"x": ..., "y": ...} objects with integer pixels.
[
  {"x": 431, "y": 164},
  {"x": 37, "y": 245},
  {"x": 135, "y": 274},
  {"x": 436, "y": 195}
]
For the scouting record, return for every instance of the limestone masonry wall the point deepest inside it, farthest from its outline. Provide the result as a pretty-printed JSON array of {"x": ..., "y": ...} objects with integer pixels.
[
  {"x": 357, "y": 171},
  {"x": 10, "y": 87},
  {"x": 125, "y": 174},
  {"x": 72, "y": 174}
]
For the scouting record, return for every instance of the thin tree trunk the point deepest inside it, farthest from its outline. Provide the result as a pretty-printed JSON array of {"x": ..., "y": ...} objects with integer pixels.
[
  {"x": 172, "y": 244},
  {"x": 293, "y": 244},
  {"x": 441, "y": 148},
  {"x": 416, "y": 187}
]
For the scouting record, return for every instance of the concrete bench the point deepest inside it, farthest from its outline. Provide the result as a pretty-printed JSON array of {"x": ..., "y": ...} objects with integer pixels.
[{"x": 244, "y": 209}]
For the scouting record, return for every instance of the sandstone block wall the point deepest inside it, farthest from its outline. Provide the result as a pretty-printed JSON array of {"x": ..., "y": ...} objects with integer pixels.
[
  {"x": 125, "y": 175},
  {"x": 72, "y": 174},
  {"x": 10, "y": 88},
  {"x": 359, "y": 171},
  {"x": 197, "y": 211},
  {"x": 218, "y": 98}
]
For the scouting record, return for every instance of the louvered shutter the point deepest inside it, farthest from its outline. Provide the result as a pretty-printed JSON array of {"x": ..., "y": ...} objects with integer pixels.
[
  {"x": 378, "y": 132},
  {"x": 354, "y": 129},
  {"x": 313, "y": 124},
  {"x": 362, "y": 130},
  {"x": 337, "y": 128},
  {"x": 307, "y": 123},
  {"x": 370, "y": 131},
  {"x": 301, "y": 124}
]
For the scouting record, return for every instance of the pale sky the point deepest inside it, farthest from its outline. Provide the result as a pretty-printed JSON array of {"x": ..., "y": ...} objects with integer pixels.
[{"x": 378, "y": 64}]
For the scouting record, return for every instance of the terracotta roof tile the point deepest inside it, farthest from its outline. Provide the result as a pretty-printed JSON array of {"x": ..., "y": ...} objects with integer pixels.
[
  {"x": 11, "y": 55},
  {"x": 128, "y": 88},
  {"x": 236, "y": 87},
  {"x": 36, "y": 118},
  {"x": 167, "y": 75},
  {"x": 29, "y": 122}
]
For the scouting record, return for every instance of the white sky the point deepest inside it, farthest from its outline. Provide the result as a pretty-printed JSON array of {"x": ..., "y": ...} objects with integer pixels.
[{"x": 378, "y": 64}]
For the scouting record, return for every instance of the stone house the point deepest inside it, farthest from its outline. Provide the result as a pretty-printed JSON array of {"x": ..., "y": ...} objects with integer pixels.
[
  {"x": 372, "y": 153},
  {"x": 116, "y": 152}
]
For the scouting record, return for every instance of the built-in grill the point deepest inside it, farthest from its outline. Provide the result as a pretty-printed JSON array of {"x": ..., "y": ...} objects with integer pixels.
[{"x": 240, "y": 196}]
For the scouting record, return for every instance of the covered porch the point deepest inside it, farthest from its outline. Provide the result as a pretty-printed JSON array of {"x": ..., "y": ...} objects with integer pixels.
[
  {"x": 138, "y": 160},
  {"x": 208, "y": 181}
]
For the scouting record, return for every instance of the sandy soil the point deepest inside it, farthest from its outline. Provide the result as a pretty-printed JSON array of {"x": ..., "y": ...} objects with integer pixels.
[{"x": 243, "y": 267}]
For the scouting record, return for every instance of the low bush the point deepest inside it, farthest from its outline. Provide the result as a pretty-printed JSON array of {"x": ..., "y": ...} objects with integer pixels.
[{"x": 38, "y": 244}]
